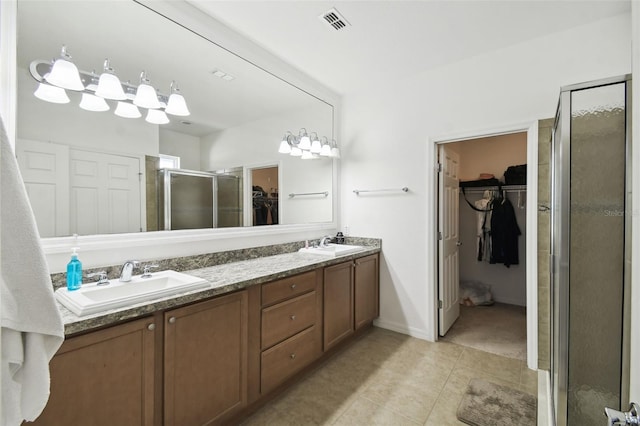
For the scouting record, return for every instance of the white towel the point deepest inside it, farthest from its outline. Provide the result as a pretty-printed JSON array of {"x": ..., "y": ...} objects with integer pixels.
[{"x": 32, "y": 329}]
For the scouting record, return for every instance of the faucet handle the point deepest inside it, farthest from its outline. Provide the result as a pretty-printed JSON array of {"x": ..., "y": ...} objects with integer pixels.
[
  {"x": 622, "y": 418},
  {"x": 102, "y": 277},
  {"x": 146, "y": 271}
]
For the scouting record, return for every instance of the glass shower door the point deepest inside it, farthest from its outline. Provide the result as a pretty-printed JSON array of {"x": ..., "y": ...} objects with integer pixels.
[{"x": 588, "y": 251}]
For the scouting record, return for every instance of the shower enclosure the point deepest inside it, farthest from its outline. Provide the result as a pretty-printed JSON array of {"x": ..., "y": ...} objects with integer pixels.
[{"x": 590, "y": 226}]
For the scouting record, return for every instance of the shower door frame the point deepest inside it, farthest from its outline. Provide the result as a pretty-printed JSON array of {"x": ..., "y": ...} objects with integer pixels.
[{"x": 560, "y": 244}]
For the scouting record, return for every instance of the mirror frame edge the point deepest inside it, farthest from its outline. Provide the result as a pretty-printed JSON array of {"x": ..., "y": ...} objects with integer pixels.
[{"x": 101, "y": 250}]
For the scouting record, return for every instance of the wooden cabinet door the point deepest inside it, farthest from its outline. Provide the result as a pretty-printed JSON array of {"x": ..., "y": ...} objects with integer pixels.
[
  {"x": 205, "y": 361},
  {"x": 366, "y": 285},
  {"x": 338, "y": 303},
  {"x": 104, "y": 378}
]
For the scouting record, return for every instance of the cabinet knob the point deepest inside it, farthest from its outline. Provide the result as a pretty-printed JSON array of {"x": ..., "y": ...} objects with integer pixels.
[
  {"x": 172, "y": 320},
  {"x": 293, "y": 286},
  {"x": 292, "y": 317},
  {"x": 292, "y": 356},
  {"x": 151, "y": 327}
]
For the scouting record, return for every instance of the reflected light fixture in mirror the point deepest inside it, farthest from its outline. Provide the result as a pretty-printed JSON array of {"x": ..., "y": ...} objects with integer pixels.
[
  {"x": 109, "y": 85},
  {"x": 63, "y": 74},
  {"x": 146, "y": 96},
  {"x": 53, "y": 94},
  {"x": 308, "y": 147}
]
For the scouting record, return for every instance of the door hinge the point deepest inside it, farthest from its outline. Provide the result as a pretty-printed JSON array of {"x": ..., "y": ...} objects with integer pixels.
[
  {"x": 438, "y": 167},
  {"x": 439, "y": 236},
  {"x": 439, "y": 304},
  {"x": 140, "y": 176}
]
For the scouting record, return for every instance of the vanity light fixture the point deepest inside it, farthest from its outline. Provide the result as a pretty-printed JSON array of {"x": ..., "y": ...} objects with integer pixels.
[
  {"x": 146, "y": 96},
  {"x": 64, "y": 73},
  {"x": 285, "y": 145},
  {"x": 316, "y": 146},
  {"x": 56, "y": 76},
  {"x": 127, "y": 110},
  {"x": 91, "y": 102},
  {"x": 52, "y": 94},
  {"x": 156, "y": 116},
  {"x": 305, "y": 140},
  {"x": 176, "y": 104},
  {"x": 325, "y": 151},
  {"x": 308, "y": 147},
  {"x": 109, "y": 85}
]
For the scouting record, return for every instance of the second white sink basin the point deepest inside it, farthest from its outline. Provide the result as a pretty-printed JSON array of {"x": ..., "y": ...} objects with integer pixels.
[
  {"x": 92, "y": 298},
  {"x": 332, "y": 250}
]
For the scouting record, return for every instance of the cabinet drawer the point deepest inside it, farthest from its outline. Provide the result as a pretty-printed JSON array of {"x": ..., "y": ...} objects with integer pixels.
[
  {"x": 281, "y": 321},
  {"x": 288, "y": 287},
  {"x": 289, "y": 357}
]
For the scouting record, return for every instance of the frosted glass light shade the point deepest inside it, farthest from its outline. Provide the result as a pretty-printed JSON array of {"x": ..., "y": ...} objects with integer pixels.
[
  {"x": 335, "y": 152},
  {"x": 177, "y": 105},
  {"x": 52, "y": 94},
  {"x": 65, "y": 74},
  {"x": 305, "y": 142},
  {"x": 109, "y": 87},
  {"x": 127, "y": 110},
  {"x": 146, "y": 97},
  {"x": 295, "y": 152},
  {"x": 307, "y": 155},
  {"x": 325, "y": 151},
  {"x": 285, "y": 148},
  {"x": 316, "y": 147},
  {"x": 155, "y": 116},
  {"x": 91, "y": 102}
]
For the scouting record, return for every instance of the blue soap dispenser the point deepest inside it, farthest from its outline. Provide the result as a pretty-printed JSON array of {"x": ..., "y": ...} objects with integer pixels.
[{"x": 74, "y": 271}]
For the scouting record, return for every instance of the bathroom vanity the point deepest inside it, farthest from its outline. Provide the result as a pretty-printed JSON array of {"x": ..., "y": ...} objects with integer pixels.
[{"x": 213, "y": 359}]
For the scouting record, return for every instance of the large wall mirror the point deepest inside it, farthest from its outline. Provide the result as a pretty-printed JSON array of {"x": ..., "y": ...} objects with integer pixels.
[{"x": 91, "y": 172}]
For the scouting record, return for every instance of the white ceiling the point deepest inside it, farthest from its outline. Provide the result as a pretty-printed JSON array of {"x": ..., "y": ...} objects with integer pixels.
[{"x": 391, "y": 39}]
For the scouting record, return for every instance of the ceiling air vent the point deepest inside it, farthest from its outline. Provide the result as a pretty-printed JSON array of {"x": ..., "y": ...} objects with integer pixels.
[{"x": 334, "y": 19}]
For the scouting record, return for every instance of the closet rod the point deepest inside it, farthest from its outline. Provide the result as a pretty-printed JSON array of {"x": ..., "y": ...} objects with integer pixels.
[{"x": 507, "y": 188}]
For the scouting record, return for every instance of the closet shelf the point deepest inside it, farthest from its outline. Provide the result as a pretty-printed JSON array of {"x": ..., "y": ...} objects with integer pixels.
[{"x": 507, "y": 188}]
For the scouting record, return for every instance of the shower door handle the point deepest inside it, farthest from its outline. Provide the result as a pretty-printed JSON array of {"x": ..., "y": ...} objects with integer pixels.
[{"x": 620, "y": 418}]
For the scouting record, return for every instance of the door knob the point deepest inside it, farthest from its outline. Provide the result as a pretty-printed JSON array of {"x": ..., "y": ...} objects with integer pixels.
[{"x": 458, "y": 243}]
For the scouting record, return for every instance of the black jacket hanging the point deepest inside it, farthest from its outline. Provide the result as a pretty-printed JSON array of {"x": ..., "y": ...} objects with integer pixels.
[{"x": 504, "y": 233}]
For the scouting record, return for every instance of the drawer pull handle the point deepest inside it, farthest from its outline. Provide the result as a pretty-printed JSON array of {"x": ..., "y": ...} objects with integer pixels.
[
  {"x": 293, "y": 317},
  {"x": 172, "y": 320},
  {"x": 292, "y": 356},
  {"x": 151, "y": 327},
  {"x": 293, "y": 286}
]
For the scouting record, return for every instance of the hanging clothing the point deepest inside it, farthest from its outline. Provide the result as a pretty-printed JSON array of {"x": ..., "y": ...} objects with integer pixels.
[
  {"x": 483, "y": 208},
  {"x": 504, "y": 233}
]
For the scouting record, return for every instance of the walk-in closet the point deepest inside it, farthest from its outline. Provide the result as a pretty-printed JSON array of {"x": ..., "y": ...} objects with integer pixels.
[{"x": 491, "y": 245}]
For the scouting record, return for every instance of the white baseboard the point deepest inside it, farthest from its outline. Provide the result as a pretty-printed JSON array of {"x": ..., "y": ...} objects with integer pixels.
[{"x": 404, "y": 329}]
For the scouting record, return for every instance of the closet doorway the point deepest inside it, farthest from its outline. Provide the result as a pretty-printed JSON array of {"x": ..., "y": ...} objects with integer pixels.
[{"x": 482, "y": 270}]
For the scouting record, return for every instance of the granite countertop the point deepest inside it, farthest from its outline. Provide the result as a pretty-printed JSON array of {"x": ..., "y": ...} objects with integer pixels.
[{"x": 223, "y": 279}]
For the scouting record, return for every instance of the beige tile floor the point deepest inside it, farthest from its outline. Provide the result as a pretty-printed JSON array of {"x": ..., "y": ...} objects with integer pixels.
[{"x": 387, "y": 378}]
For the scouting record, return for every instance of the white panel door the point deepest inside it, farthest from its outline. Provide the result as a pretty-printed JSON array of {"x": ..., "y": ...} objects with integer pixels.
[
  {"x": 448, "y": 202},
  {"x": 45, "y": 171},
  {"x": 105, "y": 193}
]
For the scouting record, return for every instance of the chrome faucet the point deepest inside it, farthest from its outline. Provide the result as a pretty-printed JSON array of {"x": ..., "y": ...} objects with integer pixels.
[
  {"x": 623, "y": 418},
  {"x": 127, "y": 270},
  {"x": 324, "y": 241}
]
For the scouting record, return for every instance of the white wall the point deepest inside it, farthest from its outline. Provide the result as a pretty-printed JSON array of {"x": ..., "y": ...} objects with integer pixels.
[
  {"x": 387, "y": 133},
  {"x": 181, "y": 145}
]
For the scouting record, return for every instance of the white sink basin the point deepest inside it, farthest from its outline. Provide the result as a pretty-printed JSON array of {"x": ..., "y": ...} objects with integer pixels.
[
  {"x": 332, "y": 250},
  {"x": 92, "y": 298}
]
